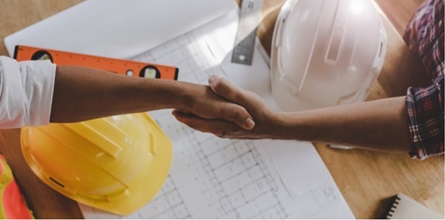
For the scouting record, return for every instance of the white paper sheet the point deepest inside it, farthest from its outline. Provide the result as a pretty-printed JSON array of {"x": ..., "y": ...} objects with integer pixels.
[
  {"x": 116, "y": 28},
  {"x": 223, "y": 178}
]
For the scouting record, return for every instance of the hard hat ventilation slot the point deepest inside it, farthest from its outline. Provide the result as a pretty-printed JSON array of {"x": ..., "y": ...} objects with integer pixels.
[{"x": 56, "y": 182}]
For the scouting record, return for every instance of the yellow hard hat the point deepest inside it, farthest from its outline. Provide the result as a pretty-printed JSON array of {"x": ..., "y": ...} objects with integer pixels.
[{"x": 116, "y": 164}]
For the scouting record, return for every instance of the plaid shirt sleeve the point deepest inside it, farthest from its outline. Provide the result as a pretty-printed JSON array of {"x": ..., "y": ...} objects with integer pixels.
[{"x": 425, "y": 37}]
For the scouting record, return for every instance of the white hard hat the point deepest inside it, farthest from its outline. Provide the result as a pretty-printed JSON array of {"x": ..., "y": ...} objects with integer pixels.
[{"x": 325, "y": 53}]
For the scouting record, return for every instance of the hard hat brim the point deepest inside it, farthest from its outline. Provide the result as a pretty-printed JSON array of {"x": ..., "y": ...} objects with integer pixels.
[{"x": 139, "y": 191}]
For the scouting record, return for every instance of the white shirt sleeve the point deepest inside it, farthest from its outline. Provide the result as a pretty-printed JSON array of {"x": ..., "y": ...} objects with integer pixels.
[{"x": 26, "y": 92}]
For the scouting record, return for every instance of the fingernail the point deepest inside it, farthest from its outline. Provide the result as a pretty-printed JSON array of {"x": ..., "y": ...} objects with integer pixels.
[
  {"x": 249, "y": 123},
  {"x": 213, "y": 78}
]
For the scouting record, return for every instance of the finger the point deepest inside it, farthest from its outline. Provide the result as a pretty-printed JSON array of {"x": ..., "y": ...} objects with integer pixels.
[
  {"x": 220, "y": 128},
  {"x": 233, "y": 94},
  {"x": 225, "y": 89},
  {"x": 237, "y": 114}
]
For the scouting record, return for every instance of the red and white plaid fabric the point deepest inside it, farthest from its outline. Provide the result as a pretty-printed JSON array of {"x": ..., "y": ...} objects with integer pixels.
[{"x": 424, "y": 35}]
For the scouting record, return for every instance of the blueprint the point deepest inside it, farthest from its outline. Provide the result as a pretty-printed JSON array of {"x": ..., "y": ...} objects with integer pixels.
[{"x": 223, "y": 178}]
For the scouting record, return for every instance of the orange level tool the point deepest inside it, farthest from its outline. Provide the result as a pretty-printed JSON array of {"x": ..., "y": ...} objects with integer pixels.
[{"x": 119, "y": 66}]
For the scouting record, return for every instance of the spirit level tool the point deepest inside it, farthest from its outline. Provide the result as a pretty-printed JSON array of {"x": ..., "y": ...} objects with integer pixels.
[
  {"x": 250, "y": 16},
  {"x": 119, "y": 66}
]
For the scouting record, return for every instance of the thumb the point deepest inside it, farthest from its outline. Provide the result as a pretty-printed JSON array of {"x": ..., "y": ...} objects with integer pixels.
[
  {"x": 233, "y": 94},
  {"x": 225, "y": 89}
]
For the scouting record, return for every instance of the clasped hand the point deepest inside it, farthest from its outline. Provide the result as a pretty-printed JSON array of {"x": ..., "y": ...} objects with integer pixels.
[{"x": 254, "y": 124}]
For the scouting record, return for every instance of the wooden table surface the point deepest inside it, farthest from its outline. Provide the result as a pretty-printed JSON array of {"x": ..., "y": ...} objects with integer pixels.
[{"x": 366, "y": 179}]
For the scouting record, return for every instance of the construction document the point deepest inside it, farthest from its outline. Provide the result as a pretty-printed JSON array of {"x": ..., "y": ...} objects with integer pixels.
[
  {"x": 210, "y": 177},
  {"x": 223, "y": 178}
]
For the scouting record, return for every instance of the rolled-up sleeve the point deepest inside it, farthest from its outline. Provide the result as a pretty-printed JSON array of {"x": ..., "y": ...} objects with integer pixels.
[
  {"x": 424, "y": 36},
  {"x": 426, "y": 119},
  {"x": 26, "y": 92}
]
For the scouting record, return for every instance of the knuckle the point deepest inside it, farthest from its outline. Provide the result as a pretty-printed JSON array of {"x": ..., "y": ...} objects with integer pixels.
[
  {"x": 236, "y": 113},
  {"x": 221, "y": 134},
  {"x": 218, "y": 85},
  {"x": 238, "y": 96},
  {"x": 240, "y": 113}
]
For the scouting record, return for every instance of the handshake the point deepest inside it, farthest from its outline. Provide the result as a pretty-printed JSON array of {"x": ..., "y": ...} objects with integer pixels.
[{"x": 228, "y": 111}]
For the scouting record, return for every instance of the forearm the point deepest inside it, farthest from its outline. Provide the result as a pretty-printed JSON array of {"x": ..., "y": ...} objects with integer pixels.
[
  {"x": 83, "y": 93},
  {"x": 378, "y": 125}
]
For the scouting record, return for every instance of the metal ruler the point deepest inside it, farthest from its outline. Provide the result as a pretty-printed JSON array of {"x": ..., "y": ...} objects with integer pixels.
[{"x": 250, "y": 17}]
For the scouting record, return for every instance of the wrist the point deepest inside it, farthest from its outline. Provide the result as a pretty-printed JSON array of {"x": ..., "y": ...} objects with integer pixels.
[
  {"x": 163, "y": 94},
  {"x": 183, "y": 95},
  {"x": 289, "y": 126}
]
